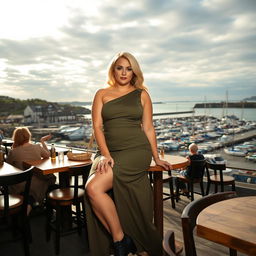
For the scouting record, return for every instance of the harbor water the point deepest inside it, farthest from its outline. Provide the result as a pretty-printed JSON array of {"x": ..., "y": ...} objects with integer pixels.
[{"x": 248, "y": 114}]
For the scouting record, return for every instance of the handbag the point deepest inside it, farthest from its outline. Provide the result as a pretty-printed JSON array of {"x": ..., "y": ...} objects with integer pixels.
[{"x": 82, "y": 156}]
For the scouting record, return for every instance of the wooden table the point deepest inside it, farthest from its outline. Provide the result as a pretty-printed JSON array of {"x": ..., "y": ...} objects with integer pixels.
[
  {"x": 230, "y": 223},
  {"x": 47, "y": 166},
  {"x": 7, "y": 169},
  {"x": 177, "y": 162}
]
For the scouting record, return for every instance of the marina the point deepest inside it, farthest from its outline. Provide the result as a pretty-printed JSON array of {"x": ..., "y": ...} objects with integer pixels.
[
  {"x": 226, "y": 132},
  {"x": 230, "y": 138}
]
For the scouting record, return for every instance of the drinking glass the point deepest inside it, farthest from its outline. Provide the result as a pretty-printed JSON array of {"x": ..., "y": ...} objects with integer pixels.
[{"x": 61, "y": 156}]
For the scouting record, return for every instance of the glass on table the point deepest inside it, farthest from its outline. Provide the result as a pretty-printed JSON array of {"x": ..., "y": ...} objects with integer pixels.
[{"x": 61, "y": 156}]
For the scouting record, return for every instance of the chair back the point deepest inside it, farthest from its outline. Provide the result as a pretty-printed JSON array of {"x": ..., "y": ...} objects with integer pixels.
[
  {"x": 216, "y": 168},
  {"x": 190, "y": 213},
  {"x": 13, "y": 179},
  {"x": 196, "y": 169}
]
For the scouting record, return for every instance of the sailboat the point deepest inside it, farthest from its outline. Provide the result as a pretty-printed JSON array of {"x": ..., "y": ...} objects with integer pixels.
[{"x": 234, "y": 151}]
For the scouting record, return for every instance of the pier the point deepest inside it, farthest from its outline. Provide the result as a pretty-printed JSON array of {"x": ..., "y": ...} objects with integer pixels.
[
  {"x": 239, "y": 138},
  {"x": 242, "y": 104},
  {"x": 173, "y": 113}
]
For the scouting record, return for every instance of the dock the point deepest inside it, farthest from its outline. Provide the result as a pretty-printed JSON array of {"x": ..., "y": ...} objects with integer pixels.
[
  {"x": 239, "y": 138},
  {"x": 173, "y": 113}
]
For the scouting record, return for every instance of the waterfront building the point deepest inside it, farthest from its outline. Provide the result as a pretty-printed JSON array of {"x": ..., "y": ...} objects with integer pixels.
[{"x": 50, "y": 113}]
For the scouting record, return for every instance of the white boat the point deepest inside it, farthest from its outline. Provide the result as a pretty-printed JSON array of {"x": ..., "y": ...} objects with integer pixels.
[
  {"x": 169, "y": 145},
  {"x": 215, "y": 158},
  {"x": 247, "y": 147},
  {"x": 251, "y": 157},
  {"x": 234, "y": 152},
  {"x": 80, "y": 134},
  {"x": 77, "y": 134},
  {"x": 225, "y": 138},
  {"x": 66, "y": 129}
]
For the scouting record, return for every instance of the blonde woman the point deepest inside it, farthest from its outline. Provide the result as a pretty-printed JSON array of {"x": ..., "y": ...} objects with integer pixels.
[
  {"x": 22, "y": 150},
  {"x": 123, "y": 128}
]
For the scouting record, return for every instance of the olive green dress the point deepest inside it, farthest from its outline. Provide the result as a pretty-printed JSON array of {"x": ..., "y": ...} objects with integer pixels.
[{"x": 132, "y": 193}]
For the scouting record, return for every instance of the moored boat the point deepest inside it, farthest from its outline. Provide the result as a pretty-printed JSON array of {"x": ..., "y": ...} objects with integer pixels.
[{"x": 234, "y": 152}]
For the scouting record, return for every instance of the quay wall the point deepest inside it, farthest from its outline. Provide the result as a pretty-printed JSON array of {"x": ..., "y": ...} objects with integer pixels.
[
  {"x": 239, "y": 138},
  {"x": 226, "y": 105},
  {"x": 173, "y": 113}
]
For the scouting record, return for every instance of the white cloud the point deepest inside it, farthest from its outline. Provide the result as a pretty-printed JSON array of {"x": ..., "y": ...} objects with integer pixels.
[{"x": 59, "y": 50}]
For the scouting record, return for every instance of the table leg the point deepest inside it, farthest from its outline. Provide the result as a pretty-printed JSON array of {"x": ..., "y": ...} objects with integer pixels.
[
  {"x": 65, "y": 211},
  {"x": 158, "y": 200},
  {"x": 64, "y": 179}
]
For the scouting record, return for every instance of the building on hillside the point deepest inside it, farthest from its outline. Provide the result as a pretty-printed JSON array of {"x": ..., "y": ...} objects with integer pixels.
[
  {"x": 14, "y": 119},
  {"x": 50, "y": 113}
]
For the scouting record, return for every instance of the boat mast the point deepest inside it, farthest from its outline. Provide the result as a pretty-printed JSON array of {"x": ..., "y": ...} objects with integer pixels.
[
  {"x": 204, "y": 112},
  {"x": 226, "y": 102},
  {"x": 242, "y": 112}
]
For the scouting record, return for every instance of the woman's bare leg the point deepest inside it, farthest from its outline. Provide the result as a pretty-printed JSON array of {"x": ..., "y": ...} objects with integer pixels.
[{"x": 102, "y": 204}]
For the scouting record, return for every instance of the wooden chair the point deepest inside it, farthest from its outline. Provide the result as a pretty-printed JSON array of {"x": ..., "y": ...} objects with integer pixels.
[
  {"x": 197, "y": 173},
  {"x": 189, "y": 216},
  {"x": 61, "y": 200},
  {"x": 218, "y": 178},
  {"x": 167, "y": 178},
  {"x": 14, "y": 206},
  {"x": 170, "y": 246}
]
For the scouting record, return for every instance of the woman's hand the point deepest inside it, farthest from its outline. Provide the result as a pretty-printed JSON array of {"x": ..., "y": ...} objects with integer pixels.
[
  {"x": 46, "y": 138},
  {"x": 167, "y": 166},
  {"x": 103, "y": 163}
]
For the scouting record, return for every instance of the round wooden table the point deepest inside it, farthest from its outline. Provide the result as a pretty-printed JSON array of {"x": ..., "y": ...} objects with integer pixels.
[
  {"x": 177, "y": 162},
  {"x": 7, "y": 169},
  {"x": 230, "y": 223}
]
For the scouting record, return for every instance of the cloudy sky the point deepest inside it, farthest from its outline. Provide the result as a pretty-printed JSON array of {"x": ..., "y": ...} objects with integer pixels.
[{"x": 59, "y": 50}]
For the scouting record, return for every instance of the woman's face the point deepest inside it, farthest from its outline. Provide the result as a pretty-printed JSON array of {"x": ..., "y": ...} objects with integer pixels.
[{"x": 123, "y": 72}]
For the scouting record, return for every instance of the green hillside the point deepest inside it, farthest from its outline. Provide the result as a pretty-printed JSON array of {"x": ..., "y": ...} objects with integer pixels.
[{"x": 12, "y": 106}]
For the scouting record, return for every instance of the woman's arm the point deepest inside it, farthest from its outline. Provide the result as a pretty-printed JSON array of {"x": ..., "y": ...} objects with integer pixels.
[
  {"x": 98, "y": 131},
  {"x": 45, "y": 153},
  {"x": 147, "y": 124}
]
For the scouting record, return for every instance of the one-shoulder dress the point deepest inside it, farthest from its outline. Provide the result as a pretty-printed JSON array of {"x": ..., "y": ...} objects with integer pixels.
[{"x": 132, "y": 192}]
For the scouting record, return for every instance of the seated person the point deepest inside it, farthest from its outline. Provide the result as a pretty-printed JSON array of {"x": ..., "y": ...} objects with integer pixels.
[
  {"x": 22, "y": 150},
  {"x": 194, "y": 155}
]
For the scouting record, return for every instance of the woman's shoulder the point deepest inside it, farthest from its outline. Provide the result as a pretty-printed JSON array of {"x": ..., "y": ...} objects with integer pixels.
[
  {"x": 103, "y": 91},
  {"x": 144, "y": 93},
  {"x": 30, "y": 147},
  {"x": 21, "y": 150}
]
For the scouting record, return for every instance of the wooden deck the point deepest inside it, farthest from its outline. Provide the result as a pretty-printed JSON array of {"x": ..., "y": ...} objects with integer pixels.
[{"x": 76, "y": 245}]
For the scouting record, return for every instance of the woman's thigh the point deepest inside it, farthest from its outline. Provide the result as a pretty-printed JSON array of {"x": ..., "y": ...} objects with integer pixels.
[{"x": 100, "y": 182}]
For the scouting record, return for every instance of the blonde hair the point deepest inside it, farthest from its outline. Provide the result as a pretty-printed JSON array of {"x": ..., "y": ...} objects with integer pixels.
[
  {"x": 193, "y": 148},
  {"x": 137, "y": 80},
  {"x": 21, "y": 135}
]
